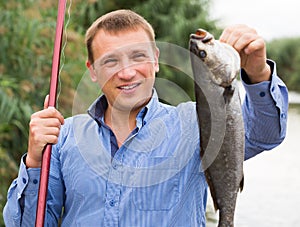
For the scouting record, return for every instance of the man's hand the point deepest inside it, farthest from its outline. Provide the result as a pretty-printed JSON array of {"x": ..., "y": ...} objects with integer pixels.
[
  {"x": 252, "y": 50},
  {"x": 44, "y": 128}
]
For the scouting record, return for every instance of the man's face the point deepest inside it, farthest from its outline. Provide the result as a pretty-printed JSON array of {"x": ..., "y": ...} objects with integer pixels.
[{"x": 125, "y": 66}]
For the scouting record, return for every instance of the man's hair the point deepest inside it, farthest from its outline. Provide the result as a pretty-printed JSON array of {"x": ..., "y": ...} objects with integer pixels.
[{"x": 115, "y": 22}]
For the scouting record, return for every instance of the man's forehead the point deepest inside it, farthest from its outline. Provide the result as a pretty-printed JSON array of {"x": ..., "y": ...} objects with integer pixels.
[
  {"x": 133, "y": 47},
  {"x": 121, "y": 42},
  {"x": 134, "y": 34}
]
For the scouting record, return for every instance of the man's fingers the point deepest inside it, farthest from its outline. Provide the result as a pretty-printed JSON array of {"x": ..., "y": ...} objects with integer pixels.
[
  {"x": 48, "y": 114},
  {"x": 257, "y": 44},
  {"x": 43, "y": 131},
  {"x": 45, "y": 122},
  {"x": 238, "y": 36}
]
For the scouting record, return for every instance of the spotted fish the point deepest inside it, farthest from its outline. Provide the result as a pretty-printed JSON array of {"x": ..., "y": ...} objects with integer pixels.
[{"x": 216, "y": 66}]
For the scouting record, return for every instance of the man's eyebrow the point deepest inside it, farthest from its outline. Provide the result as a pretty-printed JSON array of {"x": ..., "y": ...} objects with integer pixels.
[
  {"x": 144, "y": 50},
  {"x": 115, "y": 54},
  {"x": 107, "y": 56}
]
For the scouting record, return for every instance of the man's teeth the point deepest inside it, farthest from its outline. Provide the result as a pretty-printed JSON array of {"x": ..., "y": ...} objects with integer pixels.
[{"x": 128, "y": 87}]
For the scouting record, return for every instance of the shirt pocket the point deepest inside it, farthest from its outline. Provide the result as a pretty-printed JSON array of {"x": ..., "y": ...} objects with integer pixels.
[{"x": 164, "y": 193}]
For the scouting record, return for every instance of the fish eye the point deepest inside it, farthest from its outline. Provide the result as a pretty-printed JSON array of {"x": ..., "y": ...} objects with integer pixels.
[{"x": 202, "y": 54}]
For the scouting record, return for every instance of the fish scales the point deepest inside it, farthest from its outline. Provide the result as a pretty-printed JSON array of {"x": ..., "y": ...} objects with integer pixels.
[{"x": 215, "y": 67}]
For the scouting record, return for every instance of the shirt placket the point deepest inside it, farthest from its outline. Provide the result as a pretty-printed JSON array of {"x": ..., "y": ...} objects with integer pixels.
[
  {"x": 114, "y": 180},
  {"x": 113, "y": 192},
  {"x": 114, "y": 184}
]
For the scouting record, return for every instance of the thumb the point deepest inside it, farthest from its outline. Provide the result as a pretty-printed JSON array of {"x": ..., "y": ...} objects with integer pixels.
[{"x": 46, "y": 102}]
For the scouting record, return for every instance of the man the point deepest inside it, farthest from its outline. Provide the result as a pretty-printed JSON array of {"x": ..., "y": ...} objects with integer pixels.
[{"x": 133, "y": 161}]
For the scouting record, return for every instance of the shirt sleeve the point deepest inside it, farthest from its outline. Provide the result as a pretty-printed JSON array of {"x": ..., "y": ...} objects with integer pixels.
[
  {"x": 265, "y": 113},
  {"x": 20, "y": 208}
]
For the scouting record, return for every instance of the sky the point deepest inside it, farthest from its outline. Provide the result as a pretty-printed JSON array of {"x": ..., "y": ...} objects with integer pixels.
[{"x": 272, "y": 19}]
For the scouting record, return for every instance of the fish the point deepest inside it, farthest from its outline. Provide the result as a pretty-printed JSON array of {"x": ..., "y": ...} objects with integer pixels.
[{"x": 216, "y": 66}]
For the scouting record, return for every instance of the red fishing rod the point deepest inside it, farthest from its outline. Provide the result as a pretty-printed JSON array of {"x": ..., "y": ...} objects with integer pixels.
[{"x": 45, "y": 168}]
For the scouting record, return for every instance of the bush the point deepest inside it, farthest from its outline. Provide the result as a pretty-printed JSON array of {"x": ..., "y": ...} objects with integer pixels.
[{"x": 286, "y": 53}]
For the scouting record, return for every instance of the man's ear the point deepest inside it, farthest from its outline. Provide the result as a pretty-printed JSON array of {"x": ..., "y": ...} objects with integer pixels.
[
  {"x": 156, "y": 64},
  {"x": 92, "y": 71}
]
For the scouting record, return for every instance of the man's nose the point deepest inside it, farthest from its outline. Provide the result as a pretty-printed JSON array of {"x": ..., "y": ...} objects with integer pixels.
[{"x": 127, "y": 72}]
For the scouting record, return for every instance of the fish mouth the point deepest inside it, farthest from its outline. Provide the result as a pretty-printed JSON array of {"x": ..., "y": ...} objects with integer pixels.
[{"x": 202, "y": 35}]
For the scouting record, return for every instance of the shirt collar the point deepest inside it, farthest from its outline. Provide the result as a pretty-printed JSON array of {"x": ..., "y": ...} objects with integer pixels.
[{"x": 98, "y": 107}]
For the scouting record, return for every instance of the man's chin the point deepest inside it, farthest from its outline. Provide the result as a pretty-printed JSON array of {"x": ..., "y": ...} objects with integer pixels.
[{"x": 131, "y": 104}]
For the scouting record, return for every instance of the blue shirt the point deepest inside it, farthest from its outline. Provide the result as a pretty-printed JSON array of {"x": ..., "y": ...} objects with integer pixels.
[{"x": 153, "y": 179}]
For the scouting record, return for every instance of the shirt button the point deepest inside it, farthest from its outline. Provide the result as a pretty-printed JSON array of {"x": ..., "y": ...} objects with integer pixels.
[
  {"x": 112, "y": 203},
  {"x": 24, "y": 180},
  {"x": 262, "y": 94},
  {"x": 115, "y": 166},
  {"x": 283, "y": 115},
  {"x": 35, "y": 181}
]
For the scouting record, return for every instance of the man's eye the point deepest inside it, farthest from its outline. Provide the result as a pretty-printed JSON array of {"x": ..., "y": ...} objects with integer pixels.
[
  {"x": 139, "y": 56},
  {"x": 110, "y": 62}
]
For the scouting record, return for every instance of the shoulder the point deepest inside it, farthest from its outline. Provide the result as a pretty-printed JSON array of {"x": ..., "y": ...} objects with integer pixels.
[
  {"x": 187, "y": 108},
  {"x": 182, "y": 110}
]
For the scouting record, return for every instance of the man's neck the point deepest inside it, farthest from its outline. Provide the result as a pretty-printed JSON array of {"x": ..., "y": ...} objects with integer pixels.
[{"x": 122, "y": 123}]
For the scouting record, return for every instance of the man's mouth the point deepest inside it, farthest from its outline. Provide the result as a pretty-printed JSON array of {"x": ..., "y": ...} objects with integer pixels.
[{"x": 129, "y": 86}]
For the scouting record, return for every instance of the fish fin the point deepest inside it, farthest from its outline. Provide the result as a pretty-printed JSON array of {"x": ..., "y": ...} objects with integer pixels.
[
  {"x": 228, "y": 93},
  {"x": 242, "y": 184}
]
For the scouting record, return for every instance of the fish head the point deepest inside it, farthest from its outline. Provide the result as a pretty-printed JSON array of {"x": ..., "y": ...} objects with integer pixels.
[{"x": 221, "y": 59}]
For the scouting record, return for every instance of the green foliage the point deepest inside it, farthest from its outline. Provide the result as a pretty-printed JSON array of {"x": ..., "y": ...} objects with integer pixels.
[
  {"x": 13, "y": 123},
  {"x": 286, "y": 53}
]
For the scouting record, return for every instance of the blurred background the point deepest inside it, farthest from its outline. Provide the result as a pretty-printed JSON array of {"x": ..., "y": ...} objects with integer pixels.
[
  {"x": 27, "y": 29},
  {"x": 272, "y": 185}
]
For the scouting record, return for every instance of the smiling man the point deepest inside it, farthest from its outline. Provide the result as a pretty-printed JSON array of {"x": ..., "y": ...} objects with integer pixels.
[
  {"x": 125, "y": 69},
  {"x": 133, "y": 161}
]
